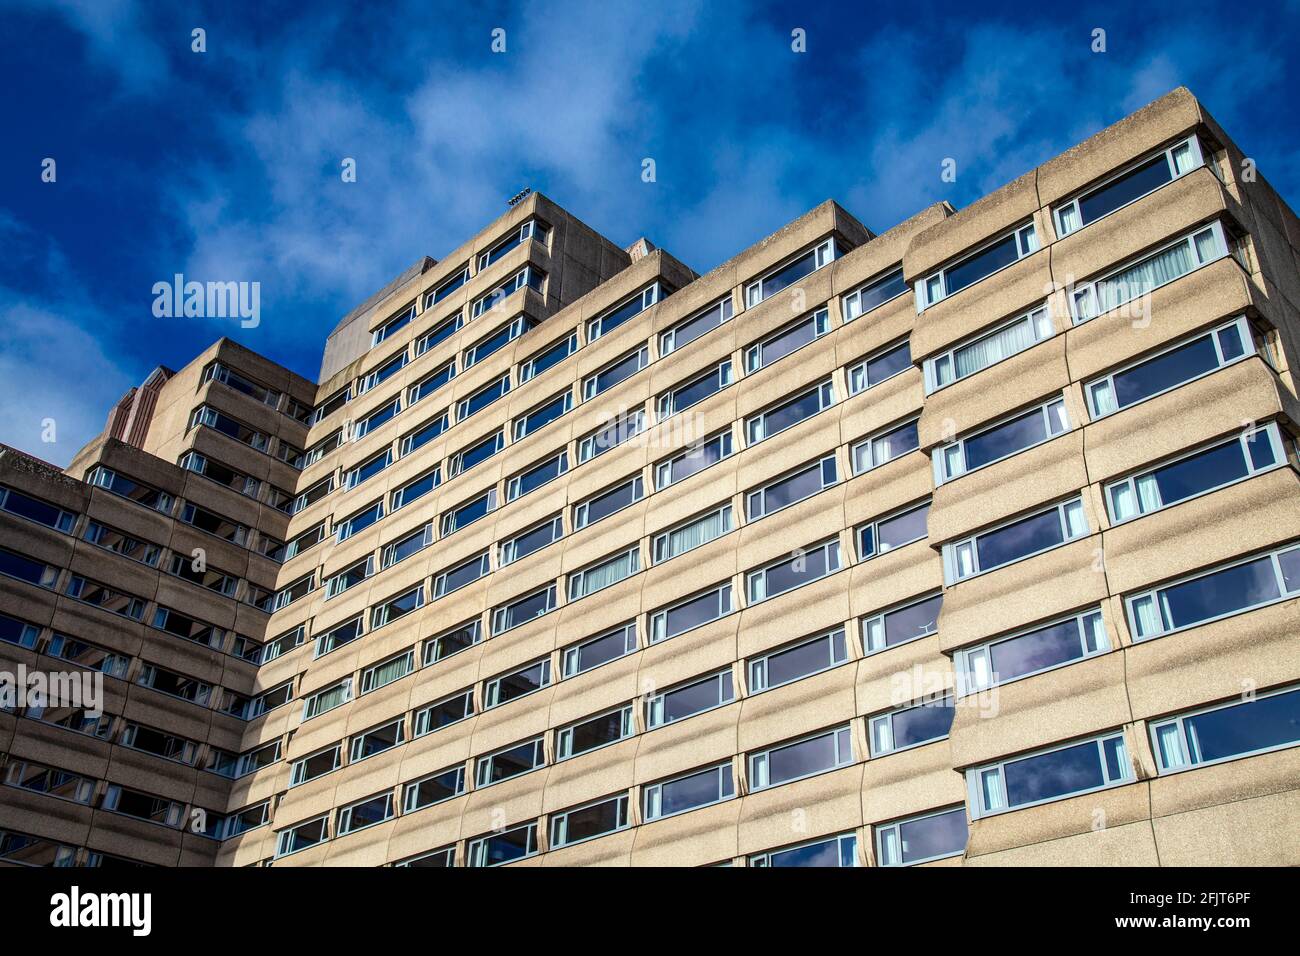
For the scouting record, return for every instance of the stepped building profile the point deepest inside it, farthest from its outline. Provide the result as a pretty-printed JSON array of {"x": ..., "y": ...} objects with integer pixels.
[{"x": 973, "y": 542}]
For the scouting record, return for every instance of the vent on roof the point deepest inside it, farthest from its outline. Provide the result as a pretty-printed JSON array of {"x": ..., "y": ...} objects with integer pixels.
[
  {"x": 520, "y": 196},
  {"x": 640, "y": 249}
]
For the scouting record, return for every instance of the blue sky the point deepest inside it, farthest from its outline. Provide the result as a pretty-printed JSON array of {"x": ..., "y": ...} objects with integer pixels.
[{"x": 224, "y": 165}]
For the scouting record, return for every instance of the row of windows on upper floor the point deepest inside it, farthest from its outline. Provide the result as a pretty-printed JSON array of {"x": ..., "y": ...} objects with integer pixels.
[
  {"x": 24, "y": 849},
  {"x": 282, "y": 402}
]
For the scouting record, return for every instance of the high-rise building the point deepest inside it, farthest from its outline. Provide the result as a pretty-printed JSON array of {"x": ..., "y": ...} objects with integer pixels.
[{"x": 976, "y": 541}]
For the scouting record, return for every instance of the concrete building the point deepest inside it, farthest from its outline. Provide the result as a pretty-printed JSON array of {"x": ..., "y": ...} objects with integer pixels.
[{"x": 972, "y": 542}]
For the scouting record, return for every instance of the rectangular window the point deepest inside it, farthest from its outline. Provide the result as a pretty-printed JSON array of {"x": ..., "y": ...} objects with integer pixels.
[
  {"x": 791, "y": 489},
  {"x": 797, "y": 661},
  {"x": 469, "y": 512},
  {"x": 517, "y": 683},
  {"x": 593, "y": 733},
  {"x": 517, "y": 843},
  {"x": 94, "y": 593},
  {"x": 269, "y": 700},
  {"x": 47, "y": 780},
  {"x": 1210, "y": 595},
  {"x": 14, "y": 631},
  {"x": 692, "y": 534},
  {"x": 35, "y": 510},
  {"x": 386, "y": 672},
  {"x": 691, "y": 613},
  {"x": 382, "y": 373},
  {"x": 143, "y": 806},
  {"x": 160, "y": 744},
  {"x": 610, "y": 436},
  {"x": 404, "y": 547},
  {"x": 1053, "y": 774},
  {"x": 1014, "y": 541},
  {"x": 907, "y": 727},
  {"x": 787, "y": 275},
  {"x": 448, "y": 285},
  {"x": 527, "y": 277},
  {"x": 1172, "y": 367},
  {"x": 695, "y": 391},
  {"x": 461, "y": 575},
  {"x": 476, "y": 454},
  {"x": 603, "y": 574},
  {"x": 397, "y": 607},
  {"x": 1128, "y": 186},
  {"x": 1021, "y": 431},
  {"x": 316, "y": 765},
  {"x": 24, "y": 568},
  {"x": 230, "y": 427},
  {"x": 1196, "y": 473},
  {"x": 365, "y": 813},
  {"x": 495, "y": 342},
  {"x": 296, "y": 591},
  {"x": 801, "y": 758},
  {"x": 589, "y": 821},
  {"x": 313, "y": 494},
  {"x": 617, "y": 316},
  {"x": 118, "y": 542},
  {"x": 511, "y": 762},
  {"x": 614, "y": 373},
  {"x": 250, "y": 818},
  {"x": 530, "y": 541},
  {"x": 607, "y": 502},
  {"x": 1042, "y": 648},
  {"x": 445, "y": 857},
  {"x": 700, "y": 456},
  {"x": 547, "y": 358},
  {"x": 877, "y": 368},
  {"x": 359, "y": 521},
  {"x": 482, "y": 398},
  {"x": 439, "y": 334},
  {"x": 398, "y": 322},
  {"x": 1239, "y": 728},
  {"x": 327, "y": 699},
  {"x": 836, "y": 851},
  {"x": 282, "y": 644},
  {"x": 875, "y": 293},
  {"x": 802, "y": 567},
  {"x": 689, "y": 699},
  {"x": 331, "y": 405},
  {"x": 689, "y": 792},
  {"x": 338, "y": 636},
  {"x": 980, "y": 264},
  {"x": 789, "y": 413},
  {"x": 790, "y": 339},
  {"x": 438, "y": 788},
  {"x": 879, "y": 449},
  {"x": 377, "y": 740},
  {"x": 458, "y": 639},
  {"x": 920, "y": 839},
  {"x": 431, "y": 383},
  {"x": 131, "y": 489},
  {"x": 1123, "y": 285},
  {"x": 532, "y": 479},
  {"x": 70, "y": 649},
  {"x": 900, "y": 625},
  {"x": 686, "y": 332},
  {"x": 523, "y": 610},
  {"x": 380, "y": 416},
  {"x": 416, "y": 488},
  {"x": 174, "y": 685},
  {"x": 301, "y": 837},
  {"x": 369, "y": 468},
  {"x": 240, "y": 383},
  {"x": 894, "y": 531},
  {"x": 599, "y": 650},
  {"x": 542, "y": 416},
  {"x": 532, "y": 229},
  {"x": 444, "y": 713}
]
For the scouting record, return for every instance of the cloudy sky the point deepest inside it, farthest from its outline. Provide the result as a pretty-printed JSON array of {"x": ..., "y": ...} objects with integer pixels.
[{"x": 225, "y": 165}]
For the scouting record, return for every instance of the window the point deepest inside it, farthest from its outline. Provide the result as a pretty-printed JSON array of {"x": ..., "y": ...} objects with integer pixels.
[
  {"x": 469, "y": 512},
  {"x": 219, "y": 473},
  {"x": 50, "y": 781},
  {"x": 174, "y": 685},
  {"x": 692, "y": 534},
  {"x": 257, "y": 758},
  {"x": 360, "y": 520},
  {"x": 1008, "y": 437},
  {"x": 691, "y": 613},
  {"x": 789, "y": 413},
  {"x": 700, "y": 456},
  {"x": 191, "y": 629},
  {"x": 593, "y": 733},
  {"x": 538, "y": 475},
  {"x": 879, "y": 367},
  {"x": 607, "y": 502},
  {"x": 476, "y": 454},
  {"x": 291, "y": 455},
  {"x": 1196, "y": 473},
  {"x": 526, "y": 277},
  {"x": 386, "y": 672},
  {"x": 516, "y": 843},
  {"x": 686, "y": 332},
  {"x": 491, "y": 344},
  {"x": 331, "y": 405},
  {"x": 909, "y": 622},
  {"x": 695, "y": 391},
  {"x": 1170, "y": 368},
  {"x": 369, "y": 468},
  {"x": 920, "y": 839},
  {"x": 447, "y": 286},
  {"x": 240, "y": 383},
  {"x": 125, "y": 487},
  {"x": 802, "y": 567},
  {"x": 912, "y": 726},
  {"x": 295, "y": 591},
  {"x": 875, "y": 293},
  {"x": 406, "y": 546},
  {"x": 1218, "y": 593},
  {"x": 876, "y": 451},
  {"x": 116, "y": 541},
  {"x": 510, "y": 762},
  {"x": 71, "y": 649},
  {"x": 1240, "y": 728},
  {"x": 451, "y": 642},
  {"x": 282, "y": 644},
  {"x": 1123, "y": 285},
  {"x": 543, "y": 415},
  {"x": 159, "y": 743},
  {"x": 610, "y": 436},
  {"x": 365, "y": 813},
  {"x": 523, "y": 610},
  {"x": 349, "y": 577},
  {"x": 792, "y": 488},
  {"x": 305, "y": 541},
  {"x": 589, "y": 821},
  {"x": 327, "y": 699},
  {"x": 790, "y": 339},
  {"x": 1128, "y": 186},
  {"x": 182, "y": 566},
  {"x": 25, "y": 569},
  {"x": 603, "y": 574},
  {"x": 14, "y": 631},
  {"x": 465, "y": 573},
  {"x": 382, "y": 373},
  {"x": 547, "y": 358},
  {"x": 431, "y": 383},
  {"x": 1032, "y": 651},
  {"x": 91, "y": 592},
  {"x": 802, "y": 758},
  {"x": 313, "y": 494},
  {"x": 143, "y": 806},
  {"x": 1014, "y": 541},
  {"x": 530, "y": 541},
  {"x": 269, "y": 700},
  {"x": 687, "y": 700},
  {"x": 988, "y": 349},
  {"x": 482, "y": 398},
  {"x": 796, "y": 661},
  {"x": 532, "y": 229},
  {"x": 446, "y": 785},
  {"x": 614, "y": 373},
  {"x": 426, "y": 433},
  {"x": 894, "y": 531},
  {"x": 689, "y": 792},
  {"x": 416, "y": 488},
  {"x": 377, "y": 740},
  {"x": 317, "y": 765},
  {"x": 518, "y": 683},
  {"x": 836, "y": 851},
  {"x": 380, "y": 416},
  {"x": 397, "y": 607},
  {"x": 599, "y": 650},
  {"x": 791, "y": 272},
  {"x": 444, "y": 713},
  {"x": 439, "y": 334},
  {"x": 301, "y": 837},
  {"x": 615, "y": 317},
  {"x": 1053, "y": 774},
  {"x": 398, "y": 322},
  {"x": 446, "y": 857},
  {"x": 230, "y": 427},
  {"x": 980, "y": 264}
]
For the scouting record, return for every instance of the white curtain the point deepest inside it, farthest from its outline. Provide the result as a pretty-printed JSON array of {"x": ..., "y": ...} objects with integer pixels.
[
  {"x": 1142, "y": 278},
  {"x": 993, "y": 348}
]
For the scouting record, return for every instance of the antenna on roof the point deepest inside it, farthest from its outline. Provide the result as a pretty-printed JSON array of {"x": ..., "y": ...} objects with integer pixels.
[{"x": 519, "y": 197}]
